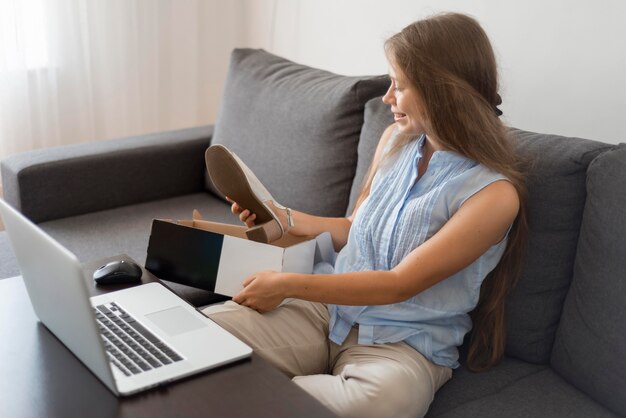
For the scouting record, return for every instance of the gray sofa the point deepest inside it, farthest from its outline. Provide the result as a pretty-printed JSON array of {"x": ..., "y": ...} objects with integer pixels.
[{"x": 309, "y": 135}]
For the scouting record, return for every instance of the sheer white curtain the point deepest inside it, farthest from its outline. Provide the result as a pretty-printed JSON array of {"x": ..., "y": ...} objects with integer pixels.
[{"x": 78, "y": 70}]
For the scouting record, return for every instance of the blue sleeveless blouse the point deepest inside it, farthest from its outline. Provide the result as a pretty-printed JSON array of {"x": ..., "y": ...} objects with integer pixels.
[{"x": 398, "y": 215}]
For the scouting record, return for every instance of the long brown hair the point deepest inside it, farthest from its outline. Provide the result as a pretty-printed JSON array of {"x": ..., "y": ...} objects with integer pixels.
[{"x": 449, "y": 60}]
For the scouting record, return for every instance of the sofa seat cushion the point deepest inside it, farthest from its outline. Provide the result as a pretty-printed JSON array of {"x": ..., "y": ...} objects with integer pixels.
[
  {"x": 590, "y": 348},
  {"x": 466, "y": 386},
  {"x": 556, "y": 172},
  {"x": 126, "y": 230},
  {"x": 296, "y": 127},
  {"x": 540, "y": 394}
]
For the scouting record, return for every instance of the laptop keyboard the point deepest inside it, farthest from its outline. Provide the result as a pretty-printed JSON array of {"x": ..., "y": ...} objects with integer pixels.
[{"x": 130, "y": 346}]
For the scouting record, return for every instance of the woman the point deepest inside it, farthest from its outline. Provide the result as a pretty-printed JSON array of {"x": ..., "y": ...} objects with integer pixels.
[{"x": 439, "y": 225}]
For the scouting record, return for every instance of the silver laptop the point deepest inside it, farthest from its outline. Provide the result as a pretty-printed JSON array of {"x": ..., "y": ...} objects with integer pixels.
[{"x": 132, "y": 339}]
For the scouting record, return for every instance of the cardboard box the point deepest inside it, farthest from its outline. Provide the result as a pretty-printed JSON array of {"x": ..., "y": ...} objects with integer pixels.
[{"x": 218, "y": 257}]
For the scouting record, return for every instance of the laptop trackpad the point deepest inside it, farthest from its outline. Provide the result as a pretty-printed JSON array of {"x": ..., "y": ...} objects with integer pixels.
[{"x": 175, "y": 321}]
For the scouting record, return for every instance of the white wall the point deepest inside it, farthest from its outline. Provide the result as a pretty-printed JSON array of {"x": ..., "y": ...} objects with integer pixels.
[
  {"x": 92, "y": 70},
  {"x": 562, "y": 62}
]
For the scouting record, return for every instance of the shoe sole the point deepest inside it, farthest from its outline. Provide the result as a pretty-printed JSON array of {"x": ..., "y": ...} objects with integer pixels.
[{"x": 229, "y": 178}]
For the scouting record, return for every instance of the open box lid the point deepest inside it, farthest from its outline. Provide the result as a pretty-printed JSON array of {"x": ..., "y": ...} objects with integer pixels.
[{"x": 218, "y": 257}]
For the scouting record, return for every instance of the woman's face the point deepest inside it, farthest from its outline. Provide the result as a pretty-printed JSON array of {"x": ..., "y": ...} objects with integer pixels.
[{"x": 405, "y": 102}]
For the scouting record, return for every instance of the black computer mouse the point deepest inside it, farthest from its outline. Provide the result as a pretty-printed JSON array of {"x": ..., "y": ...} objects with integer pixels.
[{"x": 118, "y": 272}]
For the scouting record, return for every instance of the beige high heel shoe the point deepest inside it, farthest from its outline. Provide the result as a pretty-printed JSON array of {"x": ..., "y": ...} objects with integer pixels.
[{"x": 234, "y": 179}]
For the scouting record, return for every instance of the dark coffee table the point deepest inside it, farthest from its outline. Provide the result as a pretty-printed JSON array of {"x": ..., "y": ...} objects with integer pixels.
[{"x": 39, "y": 377}]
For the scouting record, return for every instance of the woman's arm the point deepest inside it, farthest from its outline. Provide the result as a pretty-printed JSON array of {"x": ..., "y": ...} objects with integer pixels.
[
  {"x": 480, "y": 222},
  {"x": 305, "y": 224}
]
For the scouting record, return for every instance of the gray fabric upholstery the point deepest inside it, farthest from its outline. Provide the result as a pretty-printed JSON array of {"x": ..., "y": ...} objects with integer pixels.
[
  {"x": 590, "y": 348},
  {"x": 58, "y": 182},
  {"x": 377, "y": 118},
  {"x": 556, "y": 183},
  {"x": 127, "y": 229},
  {"x": 540, "y": 395},
  {"x": 296, "y": 127},
  {"x": 466, "y": 387}
]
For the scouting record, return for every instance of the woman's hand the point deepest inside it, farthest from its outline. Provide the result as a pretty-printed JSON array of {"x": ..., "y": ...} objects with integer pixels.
[
  {"x": 245, "y": 215},
  {"x": 248, "y": 217},
  {"x": 262, "y": 291}
]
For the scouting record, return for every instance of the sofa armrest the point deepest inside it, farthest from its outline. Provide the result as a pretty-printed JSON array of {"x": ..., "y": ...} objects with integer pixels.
[{"x": 70, "y": 180}]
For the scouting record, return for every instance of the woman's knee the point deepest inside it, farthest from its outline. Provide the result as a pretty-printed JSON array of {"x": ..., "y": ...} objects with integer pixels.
[
  {"x": 232, "y": 317},
  {"x": 371, "y": 390},
  {"x": 389, "y": 390}
]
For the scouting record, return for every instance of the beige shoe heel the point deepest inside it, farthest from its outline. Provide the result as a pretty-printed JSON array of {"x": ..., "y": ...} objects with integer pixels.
[
  {"x": 234, "y": 179},
  {"x": 267, "y": 232}
]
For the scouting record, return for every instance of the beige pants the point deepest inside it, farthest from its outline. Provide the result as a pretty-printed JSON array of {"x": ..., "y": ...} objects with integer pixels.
[{"x": 353, "y": 380}]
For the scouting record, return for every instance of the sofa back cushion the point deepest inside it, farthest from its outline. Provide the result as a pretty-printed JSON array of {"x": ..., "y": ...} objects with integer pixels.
[
  {"x": 590, "y": 346},
  {"x": 556, "y": 184},
  {"x": 296, "y": 127},
  {"x": 377, "y": 118}
]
